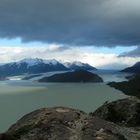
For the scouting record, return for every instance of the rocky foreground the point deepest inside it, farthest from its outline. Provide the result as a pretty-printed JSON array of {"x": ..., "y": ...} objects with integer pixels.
[{"x": 119, "y": 120}]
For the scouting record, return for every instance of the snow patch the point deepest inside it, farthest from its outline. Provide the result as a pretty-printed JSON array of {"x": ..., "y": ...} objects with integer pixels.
[{"x": 35, "y": 61}]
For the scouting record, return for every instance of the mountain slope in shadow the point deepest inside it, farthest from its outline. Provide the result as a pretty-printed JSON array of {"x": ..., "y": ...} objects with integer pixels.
[
  {"x": 131, "y": 87},
  {"x": 76, "y": 76}
]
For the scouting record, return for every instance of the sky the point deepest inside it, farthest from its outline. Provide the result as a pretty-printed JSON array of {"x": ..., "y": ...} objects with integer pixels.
[{"x": 103, "y": 33}]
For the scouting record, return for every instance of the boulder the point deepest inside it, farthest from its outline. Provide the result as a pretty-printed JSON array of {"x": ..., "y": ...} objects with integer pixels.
[{"x": 124, "y": 112}]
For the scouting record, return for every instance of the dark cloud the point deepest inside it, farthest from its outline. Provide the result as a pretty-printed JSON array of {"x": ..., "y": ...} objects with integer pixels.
[
  {"x": 133, "y": 53},
  {"x": 77, "y": 22}
]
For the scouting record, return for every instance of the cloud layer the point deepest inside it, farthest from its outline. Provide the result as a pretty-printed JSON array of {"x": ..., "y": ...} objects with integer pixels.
[
  {"x": 78, "y": 22},
  {"x": 53, "y": 51},
  {"x": 133, "y": 53}
]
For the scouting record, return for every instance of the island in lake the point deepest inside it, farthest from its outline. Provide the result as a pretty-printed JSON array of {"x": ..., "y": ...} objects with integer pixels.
[{"x": 75, "y": 76}]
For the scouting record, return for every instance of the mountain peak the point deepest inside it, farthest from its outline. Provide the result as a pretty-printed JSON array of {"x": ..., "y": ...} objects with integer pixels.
[
  {"x": 76, "y": 65},
  {"x": 51, "y": 61},
  {"x": 31, "y": 61},
  {"x": 36, "y": 61}
]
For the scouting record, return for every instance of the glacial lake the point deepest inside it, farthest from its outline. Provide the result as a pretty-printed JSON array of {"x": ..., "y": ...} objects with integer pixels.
[{"x": 18, "y": 98}]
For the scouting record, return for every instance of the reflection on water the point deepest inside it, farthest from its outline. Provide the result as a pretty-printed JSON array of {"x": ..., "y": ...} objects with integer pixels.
[{"x": 22, "y": 97}]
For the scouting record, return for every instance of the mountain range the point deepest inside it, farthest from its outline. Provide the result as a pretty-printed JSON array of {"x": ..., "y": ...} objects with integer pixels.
[{"x": 35, "y": 66}]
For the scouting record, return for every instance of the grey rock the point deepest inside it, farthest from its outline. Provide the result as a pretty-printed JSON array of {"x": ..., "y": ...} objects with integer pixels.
[{"x": 124, "y": 112}]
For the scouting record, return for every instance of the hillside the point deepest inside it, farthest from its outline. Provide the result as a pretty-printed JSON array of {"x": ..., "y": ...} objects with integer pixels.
[
  {"x": 131, "y": 87},
  {"x": 133, "y": 69},
  {"x": 76, "y": 76}
]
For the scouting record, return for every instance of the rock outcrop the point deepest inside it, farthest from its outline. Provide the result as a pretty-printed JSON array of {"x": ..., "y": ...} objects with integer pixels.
[
  {"x": 124, "y": 112},
  {"x": 118, "y": 120}
]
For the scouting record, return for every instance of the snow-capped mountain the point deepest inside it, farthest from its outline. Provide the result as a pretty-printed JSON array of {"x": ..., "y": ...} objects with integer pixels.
[
  {"x": 79, "y": 66},
  {"x": 30, "y": 61},
  {"x": 36, "y": 65},
  {"x": 31, "y": 66},
  {"x": 36, "y": 61}
]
